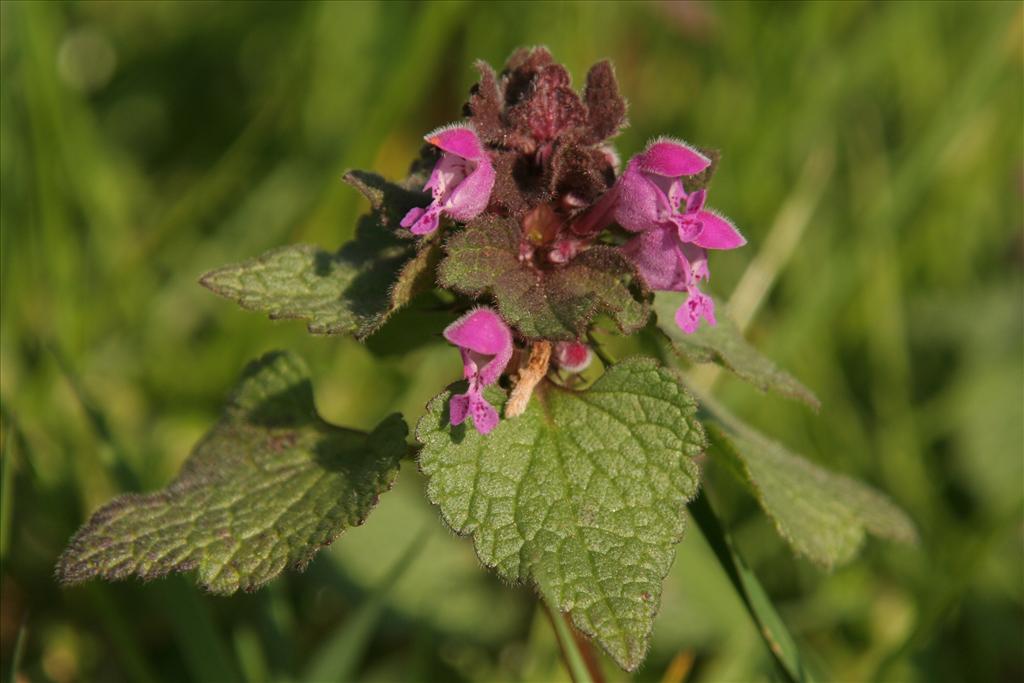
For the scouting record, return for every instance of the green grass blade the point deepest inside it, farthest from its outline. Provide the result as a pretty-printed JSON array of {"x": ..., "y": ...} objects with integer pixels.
[
  {"x": 773, "y": 630},
  {"x": 341, "y": 654},
  {"x": 11, "y": 674},
  {"x": 7, "y": 439},
  {"x": 117, "y": 627},
  {"x": 202, "y": 646}
]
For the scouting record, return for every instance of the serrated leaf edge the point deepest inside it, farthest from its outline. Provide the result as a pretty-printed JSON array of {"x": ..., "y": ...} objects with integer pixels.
[{"x": 530, "y": 582}]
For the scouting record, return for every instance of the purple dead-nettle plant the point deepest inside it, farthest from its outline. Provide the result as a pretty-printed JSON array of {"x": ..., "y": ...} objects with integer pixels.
[{"x": 571, "y": 471}]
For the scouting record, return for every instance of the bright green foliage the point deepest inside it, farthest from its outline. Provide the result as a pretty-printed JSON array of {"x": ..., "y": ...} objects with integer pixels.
[
  {"x": 269, "y": 486},
  {"x": 552, "y": 304},
  {"x": 584, "y": 494},
  {"x": 724, "y": 344},
  {"x": 352, "y": 291},
  {"x": 823, "y": 516}
]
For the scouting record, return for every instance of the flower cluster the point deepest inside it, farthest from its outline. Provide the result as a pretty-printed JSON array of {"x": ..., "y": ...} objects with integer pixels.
[
  {"x": 674, "y": 229},
  {"x": 535, "y": 151}
]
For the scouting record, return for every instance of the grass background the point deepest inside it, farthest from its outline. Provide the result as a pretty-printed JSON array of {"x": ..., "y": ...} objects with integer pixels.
[{"x": 872, "y": 154}]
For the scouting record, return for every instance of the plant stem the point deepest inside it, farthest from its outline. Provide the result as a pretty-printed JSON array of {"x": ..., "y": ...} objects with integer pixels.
[
  {"x": 601, "y": 353},
  {"x": 574, "y": 659}
]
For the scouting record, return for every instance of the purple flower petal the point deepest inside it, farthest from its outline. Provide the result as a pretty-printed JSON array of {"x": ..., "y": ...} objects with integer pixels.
[
  {"x": 695, "y": 202},
  {"x": 675, "y": 228},
  {"x": 470, "y": 198},
  {"x": 412, "y": 216},
  {"x": 458, "y": 140},
  {"x": 485, "y": 417},
  {"x": 481, "y": 330},
  {"x": 672, "y": 159},
  {"x": 458, "y": 408},
  {"x": 697, "y": 305},
  {"x": 696, "y": 263},
  {"x": 717, "y": 232},
  {"x": 460, "y": 183},
  {"x": 650, "y": 191},
  {"x": 640, "y": 204},
  {"x": 422, "y": 221},
  {"x": 473, "y": 405},
  {"x": 656, "y": 255},
  {"x": 485, "y": 343}
]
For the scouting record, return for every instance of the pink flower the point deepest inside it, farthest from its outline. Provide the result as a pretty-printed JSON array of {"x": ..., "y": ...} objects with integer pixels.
[
  {"x": 485, "y": 342},
  {"x": 675, "y": 229},
  {"x": 651, "y": 188},
  {"x": 573, "y": 356},
  {"x": 461, "y": 182}
]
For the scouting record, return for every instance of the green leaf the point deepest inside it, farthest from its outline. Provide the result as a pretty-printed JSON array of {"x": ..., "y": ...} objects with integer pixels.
[
  {"x": 555, "y": 304},
  {"x": 352, "y": 291},
  {"x": 389, "y": 201},
  {"x": 583, "y": 495},
  {"x": 265, "y": 489},
  {"x": 724, "y": 344},
  {"x": 824, "y": 516}
]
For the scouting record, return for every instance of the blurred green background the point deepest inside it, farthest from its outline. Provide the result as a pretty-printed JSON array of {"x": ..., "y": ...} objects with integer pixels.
[{"x": 872, "y": 153}]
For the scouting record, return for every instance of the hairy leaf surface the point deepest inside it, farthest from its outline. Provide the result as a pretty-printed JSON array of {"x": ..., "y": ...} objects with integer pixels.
[
  {"x": 554, "y": 304},
  {"x": 724, "y": 344},
  {"x": 583, "y": 495},
  {"x": 351, "y": 291},
  {"x": 824, "y": 516},
  {"x": 265, "y": 489}
]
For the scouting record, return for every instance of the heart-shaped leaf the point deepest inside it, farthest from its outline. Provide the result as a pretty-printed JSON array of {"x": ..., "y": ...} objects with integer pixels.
[
  {"x": 583, "y": 495},
  {"x": 265, "y": 489},
  {"x": 352, "y": 291}
]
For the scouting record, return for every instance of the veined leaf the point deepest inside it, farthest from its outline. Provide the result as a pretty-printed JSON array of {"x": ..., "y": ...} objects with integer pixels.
[
  {"x": 265, "y": 489},
  {"x": 555, "y": 304},
  {"x": 583, "y": 495},
  {"x": 352, "y": 291},
  {"x": 724, "y": 344},
  {"x": 824, "y": 516}
]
